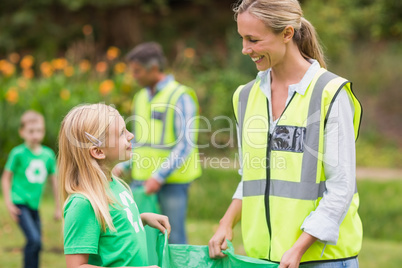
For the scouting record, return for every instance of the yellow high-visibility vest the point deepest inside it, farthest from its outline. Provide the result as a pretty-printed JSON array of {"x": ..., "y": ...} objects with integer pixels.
[
  {"x": 283, "y": 175},
  {"x": 155, "y": 136}
]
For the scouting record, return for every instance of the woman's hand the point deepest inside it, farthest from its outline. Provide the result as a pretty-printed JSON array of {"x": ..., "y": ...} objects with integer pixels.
[
  {"x": 225, "y": 230},
  {"x": 157, "y": 221},
  {"x": 291, "y": 258},
  {"x": 218, "y": 242}
]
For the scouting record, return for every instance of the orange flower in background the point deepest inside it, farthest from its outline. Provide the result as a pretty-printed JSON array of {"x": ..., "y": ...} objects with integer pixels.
[
  {"x": 27, "y": 62},
  {"x": 112, "y": 53},
  {"x": 101, "y": 67},
  {"x": 28, "y": 73},
  {"x": 12, "y": 95},
  {"x": 14, "y": 57},
  {"x": 65, "y": 94},
  {"x": 85, "y": 65},
  {"x": 106, "y": 87},
  {"x": 7, "y": 68},
  {"x": 69, "y": 71},
  {"x": 2, "y": 64},
  {"x": 120, "y": 67},
  {"x": 59, "y": 63},
  {"x": 87, "y": 29},
  {"x": 46, "y": 69},
  {"x": 189, "y": 53}
]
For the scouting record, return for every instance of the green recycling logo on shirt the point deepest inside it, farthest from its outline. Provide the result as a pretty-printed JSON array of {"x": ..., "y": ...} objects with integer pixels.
[
  {"x": 36, "y": 171},
  {"x": 127, "y": 199}
]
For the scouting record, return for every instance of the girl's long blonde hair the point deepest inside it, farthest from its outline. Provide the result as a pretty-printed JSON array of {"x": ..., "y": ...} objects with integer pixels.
[
  {"x": 83, "y": 127},
  {"x": 277, "y": 14}
]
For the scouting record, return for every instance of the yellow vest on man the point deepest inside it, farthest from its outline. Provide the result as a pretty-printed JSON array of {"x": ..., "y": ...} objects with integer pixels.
[
  {"x": 283, "y": 175},
  {"x": 155, "y": 136}
]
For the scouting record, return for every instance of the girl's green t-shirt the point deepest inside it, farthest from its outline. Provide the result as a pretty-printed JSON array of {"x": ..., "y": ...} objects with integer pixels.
[
  {"x": 30, "y": 171},
  {"x": 83, "y": 234}
]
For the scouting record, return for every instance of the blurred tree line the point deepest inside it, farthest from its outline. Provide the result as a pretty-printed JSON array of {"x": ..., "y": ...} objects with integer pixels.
[
  {"x": 49, "y": 27},
  {"x": 361, "y": 38}
]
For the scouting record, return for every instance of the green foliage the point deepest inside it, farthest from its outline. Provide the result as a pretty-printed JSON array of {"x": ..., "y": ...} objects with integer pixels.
[
  {"x": 380, "y": 209},
  {"x": 331, "y": 24},
  {"x": 374, "y": 70},
  {"x": 50, "y": 26},
  {"x": 374, "y": 151},
  {"x": 215, "y": 88},
  {"x": 380, "y": 253},
  {"x": 47, "y": 27},
  {"x": 340, "y": 23},
  {"x": 218, "y": 185}
]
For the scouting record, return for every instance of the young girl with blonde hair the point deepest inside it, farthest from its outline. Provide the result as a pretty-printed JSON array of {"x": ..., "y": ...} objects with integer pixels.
[{"x": 102, "y": 225}]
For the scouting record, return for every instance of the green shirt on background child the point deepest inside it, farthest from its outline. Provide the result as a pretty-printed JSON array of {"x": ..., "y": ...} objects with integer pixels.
[
  {"x": 83, "y": 234},
  {"x": 30, "y": 171}
]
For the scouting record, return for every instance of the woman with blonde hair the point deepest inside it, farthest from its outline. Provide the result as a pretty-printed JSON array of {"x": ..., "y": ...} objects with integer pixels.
[
  {"x": 102, "y": 225},
  {"x": 297, "y": 126}
]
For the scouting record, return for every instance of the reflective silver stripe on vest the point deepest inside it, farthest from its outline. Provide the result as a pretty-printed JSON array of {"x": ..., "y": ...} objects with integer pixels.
[
  {"x": 307, "y": 188},
  {"x": 242, "y": 105},
  {"x": 289, "y": 189},
  {"x": 164, "y": 115},
  {"x": 310, "y": 155}
]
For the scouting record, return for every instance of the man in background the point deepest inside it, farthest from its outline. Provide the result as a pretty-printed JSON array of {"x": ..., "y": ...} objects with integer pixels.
[{"x": 165, "y": 155}]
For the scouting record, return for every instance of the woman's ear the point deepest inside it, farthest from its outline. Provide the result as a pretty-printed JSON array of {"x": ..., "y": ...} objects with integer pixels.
[
  {"x": 97, "y": 153},
  {"x": 288, "y": 33}
]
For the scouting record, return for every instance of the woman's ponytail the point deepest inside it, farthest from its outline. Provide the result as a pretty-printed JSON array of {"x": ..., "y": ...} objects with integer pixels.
[{"x": 307, "y": 41}]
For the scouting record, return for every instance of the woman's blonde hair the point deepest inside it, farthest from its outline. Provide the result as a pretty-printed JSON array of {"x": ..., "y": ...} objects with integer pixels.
[
  {"x": 277, "y": 14},
  {"x": 83, "y": 127}
]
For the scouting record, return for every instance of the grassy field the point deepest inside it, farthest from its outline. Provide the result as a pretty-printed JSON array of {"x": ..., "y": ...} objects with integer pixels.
[{"x": 380, "y": 210}]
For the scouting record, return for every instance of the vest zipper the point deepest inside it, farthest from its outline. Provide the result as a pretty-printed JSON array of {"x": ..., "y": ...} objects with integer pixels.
[
  {"x": 268, "y": 175},
  {"x": 266, "y": 198}
]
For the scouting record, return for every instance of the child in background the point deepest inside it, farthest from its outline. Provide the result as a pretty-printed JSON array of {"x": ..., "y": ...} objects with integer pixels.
[
  {"x": 23, "y": 181},
  {"x": 102, "y": 225}
]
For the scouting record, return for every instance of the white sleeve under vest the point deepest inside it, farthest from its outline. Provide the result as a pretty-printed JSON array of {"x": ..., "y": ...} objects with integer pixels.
[{"x": 340, "y": 171}]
